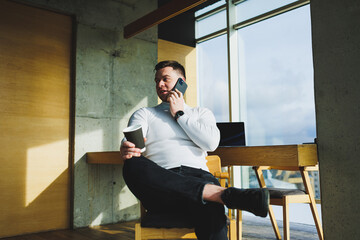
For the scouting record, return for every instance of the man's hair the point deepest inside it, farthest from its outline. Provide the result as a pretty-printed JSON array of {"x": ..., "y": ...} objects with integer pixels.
[{"x": 170, "y": 63}]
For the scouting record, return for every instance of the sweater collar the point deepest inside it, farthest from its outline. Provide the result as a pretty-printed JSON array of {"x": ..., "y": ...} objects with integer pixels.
[{"x": 166, "y": 106}]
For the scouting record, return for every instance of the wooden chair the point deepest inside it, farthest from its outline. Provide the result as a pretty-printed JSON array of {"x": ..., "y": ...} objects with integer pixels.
[
  {"x": 214, "y": 165},
  {"x": 283, "y": 197}
]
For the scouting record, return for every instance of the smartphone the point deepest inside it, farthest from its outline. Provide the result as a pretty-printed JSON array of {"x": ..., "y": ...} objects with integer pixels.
[{"x": 180, "y": 85}]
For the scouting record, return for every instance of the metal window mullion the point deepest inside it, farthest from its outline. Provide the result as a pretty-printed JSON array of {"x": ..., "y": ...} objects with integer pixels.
[
  {"x": 211, "y": 35},
  {"x": 232, "y": 63},
  {"x": 236, "y": 2}
]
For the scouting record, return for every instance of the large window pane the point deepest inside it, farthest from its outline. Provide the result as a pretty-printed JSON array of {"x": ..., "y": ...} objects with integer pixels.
[
  {"x": 211, "y": 24},
  {"x": 213, "y": 77},
  {"x": 252, "y": 8},
  {"x": 276, "y": 61}
]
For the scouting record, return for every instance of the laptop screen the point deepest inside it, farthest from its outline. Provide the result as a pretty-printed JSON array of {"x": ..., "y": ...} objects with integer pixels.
[{"x": 232, "y": 134}]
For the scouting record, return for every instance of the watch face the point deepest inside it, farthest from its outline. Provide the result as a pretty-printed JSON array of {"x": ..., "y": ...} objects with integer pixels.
[{"x": 178, "y": 114}]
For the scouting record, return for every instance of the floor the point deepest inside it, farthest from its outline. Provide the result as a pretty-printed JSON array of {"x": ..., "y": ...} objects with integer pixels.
[
  {"x": 259, "y": 228},
  {"x": 253, "y": 228}
]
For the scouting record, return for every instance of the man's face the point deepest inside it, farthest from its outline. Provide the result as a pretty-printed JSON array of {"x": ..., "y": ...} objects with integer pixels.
[{"x": 165, "y": 80}]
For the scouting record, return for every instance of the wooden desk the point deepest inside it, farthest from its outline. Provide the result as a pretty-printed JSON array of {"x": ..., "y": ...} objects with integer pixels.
[
  {"x": 301, "y": 158},
  {"x": 280, "y": 156}
]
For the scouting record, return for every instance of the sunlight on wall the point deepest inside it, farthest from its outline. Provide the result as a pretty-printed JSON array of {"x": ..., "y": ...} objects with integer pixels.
[
  {"x": 97, "y": 221},
  {"x": 191, "y": 77},
  {"x": 41, "y": 174},
  {"x": 142, "y": 103},
  {"x": 96, "y": 202},
  {"x": 89, "y": 141},
  {"x": 127, "y": 202},
  {"x": 125, "y": 119}
]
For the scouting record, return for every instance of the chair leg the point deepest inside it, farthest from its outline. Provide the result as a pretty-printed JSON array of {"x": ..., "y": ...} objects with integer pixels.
[
  {"x": 137, "y": 231},
  {"x": 286, "y": 218},
  {"x": 239, "y": 224},
  {"x": 317, "y": 220},
  {"x": 261, "y": 180},
  {"x": 232, "y": 230},
  {"x": 307, "y": 184},
  {"x": 274, "y": 223}
]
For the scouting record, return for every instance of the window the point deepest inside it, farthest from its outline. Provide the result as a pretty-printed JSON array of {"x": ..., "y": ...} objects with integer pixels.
[
  {"x": 213, "y": 86},
  {"x": 251, "y": 8},
  {"x": 275, "y": 68},
  {"x": 275, "y": 58}
]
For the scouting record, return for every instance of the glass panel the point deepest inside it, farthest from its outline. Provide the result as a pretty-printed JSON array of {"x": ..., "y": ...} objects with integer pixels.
[
  {"x": 252, "y": 8},
  {"x": 276, "y": 62},
  {"x": 211, "y": 24},
  {"x": 213, "y": 77},
  {"x": 209, "y": 8}
]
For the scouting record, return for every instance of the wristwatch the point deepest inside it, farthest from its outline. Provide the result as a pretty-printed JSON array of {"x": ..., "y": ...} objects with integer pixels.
[{"x": 178, "y": 114}]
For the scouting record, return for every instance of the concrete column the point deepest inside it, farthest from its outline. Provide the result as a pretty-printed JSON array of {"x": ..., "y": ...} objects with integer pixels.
[{"x": 336, "y": 45}]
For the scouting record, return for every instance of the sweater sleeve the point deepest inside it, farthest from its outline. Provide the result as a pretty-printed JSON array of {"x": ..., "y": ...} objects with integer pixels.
[
  {"x": 139, "y": 117},
  {"x": 201, "y": 129}
]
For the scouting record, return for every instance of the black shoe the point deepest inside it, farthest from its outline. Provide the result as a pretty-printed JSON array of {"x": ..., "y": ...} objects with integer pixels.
[{"x": 254, "y": 200}]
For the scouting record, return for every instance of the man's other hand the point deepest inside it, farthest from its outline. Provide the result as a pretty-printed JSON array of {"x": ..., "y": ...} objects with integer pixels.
[{"x": 128, "y": 150}]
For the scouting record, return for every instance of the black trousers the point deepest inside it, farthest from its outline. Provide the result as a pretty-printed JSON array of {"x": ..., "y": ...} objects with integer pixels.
[{"x": 177, "y": 190}]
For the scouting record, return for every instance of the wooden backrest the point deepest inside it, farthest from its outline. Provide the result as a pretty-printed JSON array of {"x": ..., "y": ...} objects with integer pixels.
[{"x": 213, "y": 163}]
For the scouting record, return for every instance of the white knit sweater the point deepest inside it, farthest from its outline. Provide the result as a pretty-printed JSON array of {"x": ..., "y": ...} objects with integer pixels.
[{"x": 173, "y": 143}]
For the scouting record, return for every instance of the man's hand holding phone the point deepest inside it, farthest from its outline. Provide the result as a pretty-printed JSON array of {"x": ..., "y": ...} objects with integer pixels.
[
  {"x": 176, "y": 101},
  {"x": 176, "y": 97}
]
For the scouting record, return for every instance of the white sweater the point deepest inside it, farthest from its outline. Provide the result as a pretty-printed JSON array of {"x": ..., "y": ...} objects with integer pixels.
[{"x": 173, "y": 143}]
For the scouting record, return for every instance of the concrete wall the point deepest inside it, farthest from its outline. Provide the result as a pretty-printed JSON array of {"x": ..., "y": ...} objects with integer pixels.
[
  {"x": 114, "y": 77},
  {"x": 336, "y": 45}
]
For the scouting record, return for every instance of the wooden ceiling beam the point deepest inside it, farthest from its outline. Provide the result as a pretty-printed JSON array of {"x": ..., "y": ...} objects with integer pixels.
[{"x": 160, "y": 15}]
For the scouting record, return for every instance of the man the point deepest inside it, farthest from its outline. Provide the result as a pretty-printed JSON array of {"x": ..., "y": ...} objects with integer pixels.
[{"x": 172, "y": 173}]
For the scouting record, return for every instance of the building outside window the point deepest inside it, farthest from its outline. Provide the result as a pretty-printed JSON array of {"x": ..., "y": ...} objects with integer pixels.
[{"x": 275, "y": 72}]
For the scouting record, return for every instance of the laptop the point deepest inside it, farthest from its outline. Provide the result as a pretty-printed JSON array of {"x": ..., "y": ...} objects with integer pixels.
[{"x": 232, "y": 134}]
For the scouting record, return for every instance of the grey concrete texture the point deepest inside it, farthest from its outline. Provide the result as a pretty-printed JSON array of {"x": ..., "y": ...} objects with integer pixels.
[
  {"x": 111, "y": 84},
  {"x": 114, "y": 77},
  {"x": 336, "y": 38}
]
